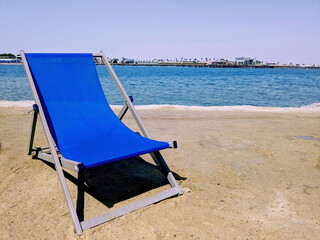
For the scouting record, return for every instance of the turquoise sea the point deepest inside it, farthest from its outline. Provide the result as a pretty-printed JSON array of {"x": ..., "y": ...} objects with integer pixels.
[{"x": 191, "y": 86}]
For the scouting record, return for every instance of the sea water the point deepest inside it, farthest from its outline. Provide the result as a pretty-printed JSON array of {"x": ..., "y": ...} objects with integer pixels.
[{"x": 191, "y": 86}]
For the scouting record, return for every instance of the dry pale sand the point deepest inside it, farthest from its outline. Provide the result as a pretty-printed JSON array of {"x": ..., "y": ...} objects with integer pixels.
[{"x": 245, "y": 175}]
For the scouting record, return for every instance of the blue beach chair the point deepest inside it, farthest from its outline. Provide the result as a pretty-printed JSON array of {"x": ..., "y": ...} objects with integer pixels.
[{"x": 81, "y": 129}]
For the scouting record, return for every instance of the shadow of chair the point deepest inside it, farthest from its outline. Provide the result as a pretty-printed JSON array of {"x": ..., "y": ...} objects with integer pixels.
[{"x": 116, "y": 182}]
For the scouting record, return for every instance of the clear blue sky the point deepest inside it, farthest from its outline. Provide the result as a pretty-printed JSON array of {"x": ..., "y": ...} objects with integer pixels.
[{"x": 273, "y": 31}]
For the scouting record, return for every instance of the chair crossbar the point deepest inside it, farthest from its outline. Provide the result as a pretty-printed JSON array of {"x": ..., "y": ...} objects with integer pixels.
[
  {"x": 69, "y": 164},
  {"x": 92, "y": 222}
]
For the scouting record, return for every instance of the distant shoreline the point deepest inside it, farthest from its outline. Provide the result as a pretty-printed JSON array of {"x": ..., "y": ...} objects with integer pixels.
[
  {"x": 198, "y": 65},
  {"x": 213, "y": 65}
]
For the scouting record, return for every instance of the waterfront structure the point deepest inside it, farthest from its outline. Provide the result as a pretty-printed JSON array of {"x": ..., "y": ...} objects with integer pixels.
[
  {"x": 127, "y": 60},
  {"x": 245, "y": 61},
  {"x": 9, "y": 59}
]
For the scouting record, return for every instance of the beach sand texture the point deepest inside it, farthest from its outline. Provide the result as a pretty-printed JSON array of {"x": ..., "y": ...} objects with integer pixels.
[{"x": 245, "y": 175}]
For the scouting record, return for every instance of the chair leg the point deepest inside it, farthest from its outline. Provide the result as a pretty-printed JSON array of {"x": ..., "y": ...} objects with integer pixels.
[
  {"x": 166, "y": 171},
  {"x": 32, "y": 130},
  {"x": 65, "y": 189},
  {"x": 80, "y": 197}
]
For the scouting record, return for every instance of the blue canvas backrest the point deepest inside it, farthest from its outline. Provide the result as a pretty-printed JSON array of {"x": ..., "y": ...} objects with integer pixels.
[{"x": 71, "y": 96}]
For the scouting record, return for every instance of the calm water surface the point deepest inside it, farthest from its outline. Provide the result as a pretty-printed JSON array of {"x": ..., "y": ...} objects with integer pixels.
[{"x": 191, "y": 86}]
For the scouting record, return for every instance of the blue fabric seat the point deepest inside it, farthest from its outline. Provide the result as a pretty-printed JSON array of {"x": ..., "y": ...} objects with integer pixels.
[{"x": 83, "y": 125}]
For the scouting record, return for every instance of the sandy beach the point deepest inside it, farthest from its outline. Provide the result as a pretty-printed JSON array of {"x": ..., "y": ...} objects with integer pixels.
[{"x": 245, "y": 175}]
